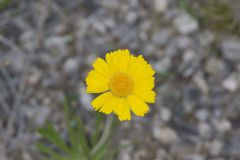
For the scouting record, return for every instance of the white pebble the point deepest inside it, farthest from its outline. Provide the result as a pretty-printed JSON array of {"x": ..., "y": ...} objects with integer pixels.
[
  {"x": 160, "y": 6},
  {"x": 165, "y": 135},
  {"x": 230, "y": 83},
  {"x": 185, "y": 24}
]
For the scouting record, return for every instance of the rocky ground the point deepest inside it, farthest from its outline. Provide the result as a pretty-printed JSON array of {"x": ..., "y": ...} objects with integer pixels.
[{"x": 194, "y": 47}]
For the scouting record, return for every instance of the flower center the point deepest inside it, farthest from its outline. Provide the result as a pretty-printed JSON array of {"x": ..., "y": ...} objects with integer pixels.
[{"x": 121, "y": 84}]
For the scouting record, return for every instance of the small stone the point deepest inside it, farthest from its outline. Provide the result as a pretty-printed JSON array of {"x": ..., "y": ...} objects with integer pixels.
[
  {"x": 161, "y": 154},
  {"x": 131, "y": 17},
  {"x": 185, "y": 24},
  {"x": 71, "y": 65},
  {"x": 143, "y": 36},
  {"x": 41, "y": 115},
  {"x": 162, "y": 65},
  {"x": 149, "y": 49},
  {"x": 146, "y": 25},
  {"x": 204, "y": 129},
  {"x": 17, "y": 61},
  {"x": 189, "y": 56},
  {"x": 38, "y": 115},
  {"x": 231, "y": 49},
  {"x": 171, "y": 49},
  {"x": 182, "y": 148},
  {"x": 231, "y": 83},
  {"x": 194, "y": 157},
  {"x": 125, "y": 157},
  {"x": 11, "y": 29},
  {"x": 3, "y": 152},
  {"x": 234, "y": 146},
  {"x": 223, "y": 125},
  {"x": 165, "y": 135},
  {"x": 206, "y": 38},
  {"x": 34, "y": 77},
  {"x": 216, "y": 147},
  {"x": 90, "y": 59},
  {"x": 238, "y": 67},
  {"x": 202, "y": 115},
  {"x": 99, "y": 27},
  {"x": 60, "y": 29},
  {"x": 216, "y": 67},
  {"x": 109, "y": 4},
  {"x": 183, "y": 42},
  {"x": 134, "y": 3},
  {"x": 191, "y": 97},
  {"x": 160, "y": 6},
  {"x": 201, "y": 82},
  {"x": 109, "y": 23},
  {"x": 140, "y": 154},
  {"x": 161, "y": 38},
  {"x": 26, "y": 156},
  {"x": 125, "y": 152},
  {"x": 50, "y": 80},
  {"x": 29, "y": 40},
  {"x": 165, "y": 114},
  {"x": 57, "y": 40},
  {"x": 85, "y": 98}
]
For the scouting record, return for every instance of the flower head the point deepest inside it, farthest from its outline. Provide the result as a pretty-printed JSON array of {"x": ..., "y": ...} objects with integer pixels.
[{"x": 126, "y": 83}]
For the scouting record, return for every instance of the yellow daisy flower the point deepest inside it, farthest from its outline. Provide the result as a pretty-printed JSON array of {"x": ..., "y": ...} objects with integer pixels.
[{"x": 126, "y": 83}]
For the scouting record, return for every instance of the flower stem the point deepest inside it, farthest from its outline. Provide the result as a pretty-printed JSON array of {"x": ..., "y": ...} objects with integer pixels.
[{"x": 105, "y": 135}]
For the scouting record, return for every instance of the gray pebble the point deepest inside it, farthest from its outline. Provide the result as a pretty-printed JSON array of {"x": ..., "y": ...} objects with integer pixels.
[
  {"x": 231, "y": 49},
  {"x": 186, "y": 24}
]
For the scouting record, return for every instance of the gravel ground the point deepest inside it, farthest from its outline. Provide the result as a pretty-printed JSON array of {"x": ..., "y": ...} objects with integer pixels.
[{"x": 51, "y": 45}]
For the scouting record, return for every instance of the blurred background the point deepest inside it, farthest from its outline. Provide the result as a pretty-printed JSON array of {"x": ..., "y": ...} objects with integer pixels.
[{"x": 193, "y": 45}]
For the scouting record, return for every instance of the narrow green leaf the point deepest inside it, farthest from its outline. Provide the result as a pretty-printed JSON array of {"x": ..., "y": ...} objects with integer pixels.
[
  {"x": 103, "y": 141},
  {"x": 70, "y": 124},
  {"x": 83, "y": 138},
  {"x": 102, "y": 153},
  {"x": 76, "y": 131},
  {"x": 48, "y": 151},
  {"x": 98, "y": 128},
  {"x": 50, "y": 133}
]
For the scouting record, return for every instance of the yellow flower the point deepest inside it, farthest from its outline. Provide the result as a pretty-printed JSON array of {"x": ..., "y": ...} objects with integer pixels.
[{"x": 126, "y": 83}]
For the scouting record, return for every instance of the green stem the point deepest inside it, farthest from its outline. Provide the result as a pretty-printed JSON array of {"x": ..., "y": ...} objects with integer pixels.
[{"x": 105, "y": 135}]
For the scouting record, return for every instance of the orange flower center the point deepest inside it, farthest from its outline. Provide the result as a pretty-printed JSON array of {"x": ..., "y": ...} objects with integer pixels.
[{"x": 121, "y": 84}]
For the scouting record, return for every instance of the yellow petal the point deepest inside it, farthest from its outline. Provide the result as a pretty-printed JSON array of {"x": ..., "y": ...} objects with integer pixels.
[
  {"x": 109, "y": 105},
  {"x": 138, "y": 67},
  {"x": 100, "y": 100},
  {"x": 96, "y": 83},
  {"x": 102, "y": 67},
  {"x": 122, "y": 110},
  {"x": 145, "y": 95},
  {"x": 118, "y": 60},
  {"x": 137, "y": 106},
  {"x": 119, "y": 106},
  {"x": 146, "y": 83},
  {"x": 122, "y": 59}
]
